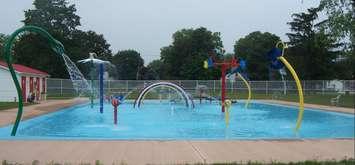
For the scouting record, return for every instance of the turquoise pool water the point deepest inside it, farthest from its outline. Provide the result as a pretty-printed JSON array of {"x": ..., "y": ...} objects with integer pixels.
[{"x": 165, "y": 121}]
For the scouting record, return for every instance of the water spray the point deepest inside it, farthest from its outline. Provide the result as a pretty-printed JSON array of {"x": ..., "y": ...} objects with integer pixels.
[{"x": 92, "y": 60}]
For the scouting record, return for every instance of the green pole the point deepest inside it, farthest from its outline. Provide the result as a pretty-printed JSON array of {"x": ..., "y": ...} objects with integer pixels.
[{"x": 55, "y": 45}]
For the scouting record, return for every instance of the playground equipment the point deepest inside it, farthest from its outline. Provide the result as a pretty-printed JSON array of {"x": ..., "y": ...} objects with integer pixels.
[
  {"x": 240, "y": 71},
  {"x": 188, "y": 100},
  {"x": 278, "y": 61},
  {"x": 115, "y": 103},
  {"x": 224, "y": 65},
  {"x": 226, "y": 115},
  {"x": 249, "y": 89},
  {"x": 79, "y": 82},
  {"x": 101, "y": 64}
]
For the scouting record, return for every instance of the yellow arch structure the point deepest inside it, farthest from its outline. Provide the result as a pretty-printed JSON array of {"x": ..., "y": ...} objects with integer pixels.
[
  {"x": 298, "y": 83},
  {"x": 249, "y": 89}
]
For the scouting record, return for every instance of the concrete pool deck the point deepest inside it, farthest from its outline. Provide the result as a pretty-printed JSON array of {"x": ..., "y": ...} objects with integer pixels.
[
  {"x": 8, "y": 116},
  {"x": 174, "y": 152},
  {"x": 165, "y": 152},
  {"x": 315, "y": 106}
]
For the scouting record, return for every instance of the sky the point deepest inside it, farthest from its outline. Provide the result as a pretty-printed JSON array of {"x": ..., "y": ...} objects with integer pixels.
[{"x": 147, "y": 26}]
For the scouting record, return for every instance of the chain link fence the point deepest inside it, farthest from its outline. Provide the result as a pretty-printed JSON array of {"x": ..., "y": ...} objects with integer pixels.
[{"x": 64, "y": 87}]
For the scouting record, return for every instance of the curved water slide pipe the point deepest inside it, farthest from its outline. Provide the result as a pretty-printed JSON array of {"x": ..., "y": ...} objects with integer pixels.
[{"x": 55, "y": 45}]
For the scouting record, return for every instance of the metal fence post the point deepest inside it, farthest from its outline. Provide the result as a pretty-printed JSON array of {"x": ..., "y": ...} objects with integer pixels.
[
  {"x": 232, "y": 86},
  {"x": 126, "y": 85},
  {"x": 267, "y": 87},
  {"x": 61, "y": 87},
  {"x": 304, "y": 87},
  {"x": 214, "y": 86},
  {"x": 323, "y": 87},
  {"x": 108, "y": 86}
]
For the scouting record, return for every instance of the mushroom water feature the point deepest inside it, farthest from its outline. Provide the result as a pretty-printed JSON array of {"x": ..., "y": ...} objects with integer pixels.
[{"x": 93, "y": 62}]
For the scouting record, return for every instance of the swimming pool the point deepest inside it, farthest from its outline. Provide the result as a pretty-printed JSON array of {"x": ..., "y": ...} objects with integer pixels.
[{"x": 165, "y": 121}]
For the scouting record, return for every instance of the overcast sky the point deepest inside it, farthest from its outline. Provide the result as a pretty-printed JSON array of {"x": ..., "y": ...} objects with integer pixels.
[{"x": 148, "y": 25}]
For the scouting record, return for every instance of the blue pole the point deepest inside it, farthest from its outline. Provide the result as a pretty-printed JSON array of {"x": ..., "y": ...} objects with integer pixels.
[
  {"x": 101, "y": 88},
  {"x": 92, "y": 83}
]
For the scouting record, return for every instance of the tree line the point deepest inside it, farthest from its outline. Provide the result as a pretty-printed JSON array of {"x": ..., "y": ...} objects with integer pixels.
[{"x": 318, "y": 49}]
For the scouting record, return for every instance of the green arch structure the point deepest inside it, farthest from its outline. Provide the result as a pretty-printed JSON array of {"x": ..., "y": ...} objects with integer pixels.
[{"x": 55, "y": 45}]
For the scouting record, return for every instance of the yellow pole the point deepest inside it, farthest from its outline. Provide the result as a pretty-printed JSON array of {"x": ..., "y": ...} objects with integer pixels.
[
  {"x": 300, "y": 91},
  {"x": 205, "y": 64},
  {"x": 228, "y": 105},
  {"x": 249, "y": 89}
]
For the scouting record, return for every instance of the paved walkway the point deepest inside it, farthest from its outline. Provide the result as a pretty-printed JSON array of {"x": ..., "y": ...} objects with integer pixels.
[
  {"x": 315, "y": 106},
  {"x": 9, "y": 116},
  {"x": 174, "y": 152}
]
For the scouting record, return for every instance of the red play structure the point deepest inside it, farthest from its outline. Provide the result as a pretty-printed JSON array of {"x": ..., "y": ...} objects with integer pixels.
[{"x": 224, "y": 65}]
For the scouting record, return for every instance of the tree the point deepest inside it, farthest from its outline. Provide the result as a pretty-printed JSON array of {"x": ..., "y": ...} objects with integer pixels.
[
  {"x": 90, "y": 41},
  {"x": 340, "y": 24},
  {"x": 53, "y": 15},
  {"x": 128, "y": 63},
  {"x": 183, "y": 59},
  {"x": 157, "y": 67},
  {"x": 34, "y": 51},
  {"x": 253, "y": 48},
  {"x": 3, "y": 38},
  {"x": 145, "y": 73},
  {"x": 304, "y": 26},
  {"x": 340, "y": 17},
  {"x": 60, "y": 20},
  {"x": 83, "y": 43},
  {"x": 313, "y": 51}
]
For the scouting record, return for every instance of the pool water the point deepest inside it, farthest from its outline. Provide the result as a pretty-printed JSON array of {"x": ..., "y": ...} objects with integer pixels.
[{"x": 167, "y": 121}]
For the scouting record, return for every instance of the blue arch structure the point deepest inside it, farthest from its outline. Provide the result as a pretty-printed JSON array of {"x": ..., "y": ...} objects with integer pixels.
[{"x": 188, "y": 100}]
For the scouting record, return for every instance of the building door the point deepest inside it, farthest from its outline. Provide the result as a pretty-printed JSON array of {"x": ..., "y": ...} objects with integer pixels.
[
  {"x": 31, "y": 85},
  {"x": 23, "y": 85},
  {"x": 38, "y": 93},
  {"x": 44, "y": 88}
]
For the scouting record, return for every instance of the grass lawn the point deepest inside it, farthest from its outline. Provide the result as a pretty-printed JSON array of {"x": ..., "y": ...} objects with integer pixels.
[
  {"x": 59, "y": 96},
  {"x": 9, "y": 105},
  {"x": 308, "y": 162},
  {"x": 345, "y": 100}
]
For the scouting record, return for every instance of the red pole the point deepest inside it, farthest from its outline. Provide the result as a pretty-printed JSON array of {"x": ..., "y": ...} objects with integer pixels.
[
  {"x": 223, "y": 92},
  {"x": 115, "y": 104},
  {"x": 200, "y": 97},
  {"x": 115, "y": 115}
]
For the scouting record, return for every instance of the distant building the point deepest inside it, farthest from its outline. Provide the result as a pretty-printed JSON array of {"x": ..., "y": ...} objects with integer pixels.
[{"x": 32, "y": 81}]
